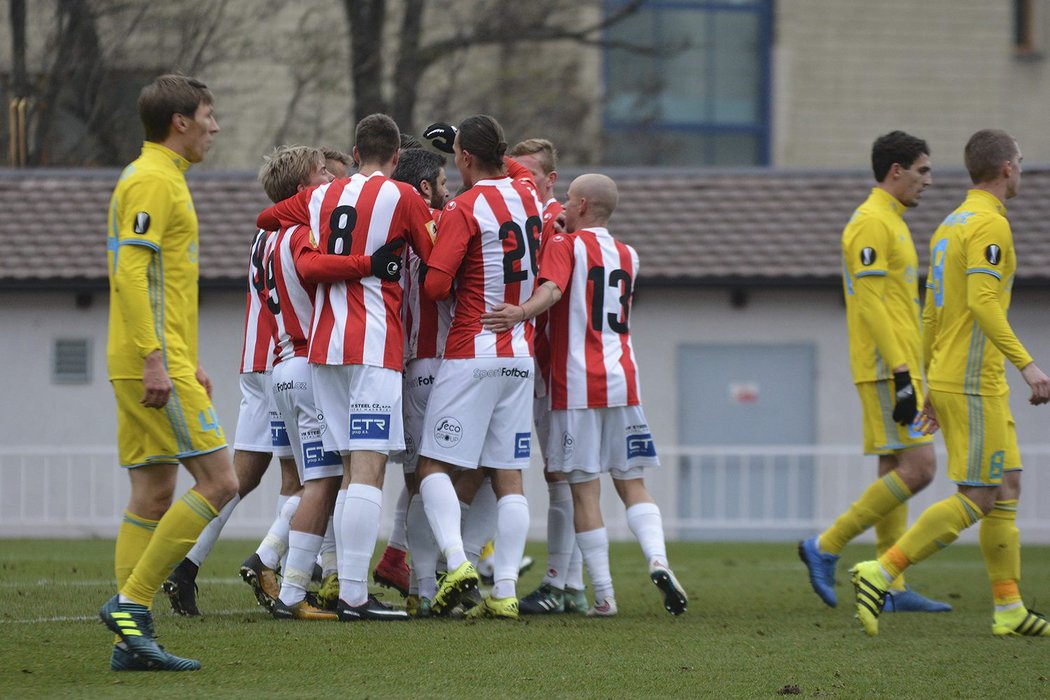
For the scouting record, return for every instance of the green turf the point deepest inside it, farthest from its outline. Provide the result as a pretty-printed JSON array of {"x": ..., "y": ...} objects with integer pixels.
[{"x": 754, "y": 629}]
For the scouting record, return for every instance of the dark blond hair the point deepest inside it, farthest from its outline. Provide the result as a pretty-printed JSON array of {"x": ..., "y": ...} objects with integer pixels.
[
  {"x": 542, "y": 149},
  {"x": 167, "y": 96},
  {"x": 286, "y": 168}
]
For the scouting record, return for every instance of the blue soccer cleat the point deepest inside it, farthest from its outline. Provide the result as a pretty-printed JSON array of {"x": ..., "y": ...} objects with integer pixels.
[
  {"x": 910, "y": 601},
  {"x": 133, "y": 623},
  {"x": 821, "y": 570}
]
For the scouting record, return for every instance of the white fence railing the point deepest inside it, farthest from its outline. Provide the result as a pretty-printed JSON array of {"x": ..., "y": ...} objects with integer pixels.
[{"x": 725, "y": 492}]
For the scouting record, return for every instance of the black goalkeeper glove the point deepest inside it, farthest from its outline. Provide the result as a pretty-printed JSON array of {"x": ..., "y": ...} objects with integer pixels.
[
  {"x": 441, "y": 136},
  {"x": 387, "y": 263},
  {"x": 907, "y": 404}
]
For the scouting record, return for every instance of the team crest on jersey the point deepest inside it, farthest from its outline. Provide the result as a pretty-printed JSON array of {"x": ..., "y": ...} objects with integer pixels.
[
  {"x": 993, "y": 254},
  {"x": 450, "y": 206},
  {"x": 141, "y": 223},
  {"x": 867, "y": 257},
  {"x": 432, "y": 230}
]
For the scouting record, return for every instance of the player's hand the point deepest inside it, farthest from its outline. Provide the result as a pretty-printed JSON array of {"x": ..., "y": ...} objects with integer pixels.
[
  {"x": 906, "y": 407},
  {"x": 441, "y": 136},
  {"x": 204, "y": 380},
  {"x": 387, "y": 263},
  {"x": 503, "y": 317},
  {"x": 927, "y": 421},
  {"x": 1038, "y": 382},
  {"x": 155, "y": 381}
]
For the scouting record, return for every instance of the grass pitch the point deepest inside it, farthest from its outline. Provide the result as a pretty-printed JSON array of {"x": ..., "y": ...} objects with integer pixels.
[{"x": 754, "y": 629}]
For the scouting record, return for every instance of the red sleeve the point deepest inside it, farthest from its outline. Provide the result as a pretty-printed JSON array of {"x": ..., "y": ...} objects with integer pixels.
[
  {"x": 437, "y": 285},
  {"x": 316, "y": 267},
  {"x": 557, "y": 260},
  {"x": 419, "y": 225},
  {"x": 454, "y": 231},
  {"x": 292, "y": 211}
]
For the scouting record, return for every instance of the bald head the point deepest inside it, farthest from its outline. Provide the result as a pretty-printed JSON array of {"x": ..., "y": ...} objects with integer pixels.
[{"x": 592, "y": 200}]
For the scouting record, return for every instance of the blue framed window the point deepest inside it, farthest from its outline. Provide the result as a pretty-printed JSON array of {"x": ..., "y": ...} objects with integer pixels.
[{"x": 700, "y": 95}]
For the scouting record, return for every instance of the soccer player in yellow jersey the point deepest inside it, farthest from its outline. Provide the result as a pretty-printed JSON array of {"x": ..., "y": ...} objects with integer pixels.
[
  {"x": 966, "y": 336},
  {"x": 164, "y": 411},
  {"x": 880, "y": 282}
]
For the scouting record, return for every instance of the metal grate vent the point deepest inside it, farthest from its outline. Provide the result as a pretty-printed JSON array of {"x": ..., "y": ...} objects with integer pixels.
[{"x": 72, "y": 361}]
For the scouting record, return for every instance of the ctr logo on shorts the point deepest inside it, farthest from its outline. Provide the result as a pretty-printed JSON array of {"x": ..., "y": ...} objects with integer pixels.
[
  {"x": 448, "y": 432},
  {"x": 279, "y": 434},
  {"x": 314, "y": 455},
  {"x": 521, "y": 445},
  {"x": 640, "y": 445},
  {"x": 369, "y": 426}
]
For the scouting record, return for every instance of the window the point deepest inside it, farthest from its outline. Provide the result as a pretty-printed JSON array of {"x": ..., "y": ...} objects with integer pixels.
[
  {"x": 71, "y": 361},
  {"x": 1026, "y": 35},
  {"x": 699, "y": 93}
]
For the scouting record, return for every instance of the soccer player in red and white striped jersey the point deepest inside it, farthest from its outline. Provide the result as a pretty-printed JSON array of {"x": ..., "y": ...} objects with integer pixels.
[
  {"x": 597, "y": 422},
  {"x": 356, "y": 340},
  {"x": 480, "y": 408}
]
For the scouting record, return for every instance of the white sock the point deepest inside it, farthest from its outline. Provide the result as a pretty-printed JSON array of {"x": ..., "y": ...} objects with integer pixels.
[
  {"x": 479, "y": 523},
  {"x": 281, "y": 500},
  {"x": 337, "y": 519},
  {"x": 561, "y": 535},
  {"x": 398, "y": 536},
  {"x": 327, "y": 553},
  {"x": 442, "y": 509},
  {"x": 647, "y": 525},
  {"x": 512, "y": 529},
  {"x": 211, "y": 532},
  {"x": 594, "y": 545},
  {"x": 574, "y": 576},
  {"x": 275, "y": 545},
  {"x": 302, "y": 552},
  {"x": 360, "y": 529},
  {"x": 423, "y": 546}
]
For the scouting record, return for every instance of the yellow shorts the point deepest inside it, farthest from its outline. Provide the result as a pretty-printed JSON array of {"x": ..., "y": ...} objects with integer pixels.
[
  {"x": 882, "y": 436},
  {"x": 981, "y": 437},
  {"x": 187, "y": 426}
]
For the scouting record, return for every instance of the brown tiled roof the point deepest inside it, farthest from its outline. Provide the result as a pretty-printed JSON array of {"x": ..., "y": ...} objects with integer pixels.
[{"x": 691, "y": 227}]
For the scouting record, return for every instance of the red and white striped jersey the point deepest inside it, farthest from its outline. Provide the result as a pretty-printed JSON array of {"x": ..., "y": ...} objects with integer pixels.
[
  {"x": 488, "y": 240},
  {"x": 426, "y": 321},
  {"x": 290, "y": 298},
  {"x": 358, "y": 322},
  {"x": 592, "y": 358},
  {"x": 541, "y": 338},
  {"x": 257, "y": 350}
]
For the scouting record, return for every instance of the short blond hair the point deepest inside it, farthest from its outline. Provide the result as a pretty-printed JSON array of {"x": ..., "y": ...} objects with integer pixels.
[
  {"x": 541, "y": 149},
  {"x": 286, "y": 168}
]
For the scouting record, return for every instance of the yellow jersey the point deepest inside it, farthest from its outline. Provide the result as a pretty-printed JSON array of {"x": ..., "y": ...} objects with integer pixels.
[
  {"x": 972, "y": 264},
  {"x": 153, "y": 254},
  {"x": 880, "y": 283}
]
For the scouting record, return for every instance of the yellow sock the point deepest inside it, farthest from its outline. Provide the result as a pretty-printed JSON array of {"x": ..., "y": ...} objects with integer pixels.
[
  {"x": 879, "y": 499},
  {"x": 132, "y": 539},
  {"x": 175, "y": 534},
  {"x": 1001, "y": 547},
  {"x": 888, "y": 530},
  {"x": 936, "y": 528}
]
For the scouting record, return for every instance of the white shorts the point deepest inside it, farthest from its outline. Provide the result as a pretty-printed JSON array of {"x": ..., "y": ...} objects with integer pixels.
[
  {"x": 259, "y": 425},
  {"x": 541, "y": 418},
  {"x": 420, "y": 376},
  {"x": 293, "y": 393},
  {"x": 598, "y": 440},
  {"x": 362, "y": 405},
  {"x": 578, "y": 476},
  {"x": 480, "y": 412}
]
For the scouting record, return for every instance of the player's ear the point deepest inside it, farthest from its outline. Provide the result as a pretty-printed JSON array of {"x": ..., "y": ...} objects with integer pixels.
[
  {"x": 425, "y": 189},
  {"x": 552, "y": 178},
  {"x": 357, "y": 157}
]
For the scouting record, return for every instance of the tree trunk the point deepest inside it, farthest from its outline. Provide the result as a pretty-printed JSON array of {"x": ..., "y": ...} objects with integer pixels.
[{"x": 366, "y": 55}]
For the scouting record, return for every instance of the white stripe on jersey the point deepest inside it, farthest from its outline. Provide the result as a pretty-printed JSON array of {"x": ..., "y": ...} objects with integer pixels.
[
  {"x": 375, "y": 306},
  {"x": 615, "y": 381},
  {"x": 257, "y": 335},
  {"x": 293, "y": 296},
  {"x": 579, "y": 322}
]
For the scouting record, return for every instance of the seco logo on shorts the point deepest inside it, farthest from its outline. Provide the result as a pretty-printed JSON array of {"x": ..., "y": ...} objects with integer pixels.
[{"x": 448, "y": 432}]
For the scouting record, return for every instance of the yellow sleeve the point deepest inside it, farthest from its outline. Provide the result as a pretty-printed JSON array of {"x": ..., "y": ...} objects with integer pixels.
[
  {"x": 868, "y": 293},
  {"x": 982, "y": 297},
  {"x": 929, "y": 322},
  {"x": 132, "y": 288}
]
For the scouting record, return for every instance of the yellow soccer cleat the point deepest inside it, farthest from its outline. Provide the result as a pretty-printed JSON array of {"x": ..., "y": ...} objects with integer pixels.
[
  {"x": 1020, "y": 622},
  {"x": 453, "y": 586},
  {"x": 870, "y": 594},
  {"x": 262, "y": 579},
  {"x": 328, "y": 593},
  {"x": 495, "y": 608}
]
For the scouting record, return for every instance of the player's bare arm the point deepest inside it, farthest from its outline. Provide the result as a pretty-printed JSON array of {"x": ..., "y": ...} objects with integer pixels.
[{"x": 504, "y": 317}]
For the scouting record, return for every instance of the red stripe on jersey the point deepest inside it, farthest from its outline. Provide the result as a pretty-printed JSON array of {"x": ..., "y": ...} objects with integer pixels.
[
  {"x": 627, "y": 358},
  {"x": 511, "y": 242},
  {"x": 293, "y": 298},
  {"x": 353, "y": 335},
  {"x": 594, "y": 350},
  {"x": 324, "y": 317},
  {"x": 541, "y": 336},
  {"x": 259, "y": 329}
]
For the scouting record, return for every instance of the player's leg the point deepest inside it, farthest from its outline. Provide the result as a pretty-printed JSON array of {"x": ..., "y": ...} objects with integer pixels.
[
  {"x": 392, "y": 569},
  {"x": 512, "y": 530},
  {"x": 593, "y": 540}
]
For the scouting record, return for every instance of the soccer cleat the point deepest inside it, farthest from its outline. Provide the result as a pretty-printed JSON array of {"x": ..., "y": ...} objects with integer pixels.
[
  {"x": 821, "y": 566},
  {"x": 495, "y": 608},
  {"x": 300, "y": 611},
  {"x": 133, "y": 623},
  {"x": 392, "y": 571},
  {"x": 870, "y": 594},
  {"x": 262, "y": 579},
  {"x": 371, "y": 609},
  {"x": 910, "y": 601},
  {"x": 544, "y": 600},
  {"x": 1020, "y": 622},
  {"x": 575, "y": 600},
  {"x": 603, "y": 608},
  {"x": 417, "y": 606},
  {"x": 675, "y": 599},
  {"x": 453, "y": 586},
  {"x": 328, "y": 593},
  {"x": 124, "y": 660},
  {"x": 181, "y": 589}
]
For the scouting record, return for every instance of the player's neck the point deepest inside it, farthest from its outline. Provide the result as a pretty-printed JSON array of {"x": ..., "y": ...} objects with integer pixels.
[{"x": 369, "y": 169}]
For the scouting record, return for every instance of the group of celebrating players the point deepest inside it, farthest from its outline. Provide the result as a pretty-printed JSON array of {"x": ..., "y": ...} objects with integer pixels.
[{"x": 383, "y": 322}]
